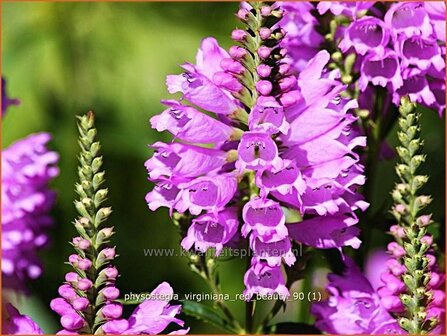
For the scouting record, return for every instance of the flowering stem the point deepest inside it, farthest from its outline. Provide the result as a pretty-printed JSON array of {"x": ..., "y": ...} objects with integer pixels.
[
  {"x": 206, "y": 268},
  {"x": 92, "y": 215},
  {"x": 406, "y": 211}
]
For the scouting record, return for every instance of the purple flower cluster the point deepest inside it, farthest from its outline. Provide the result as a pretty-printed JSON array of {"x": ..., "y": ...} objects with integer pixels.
[
  {"x": 73, "y": 301},
  {"x": 27, "y": 168},
  {"x": 150, "y": 317},
  {"x": 401, "y": 49},
  {"x": 353, "y": 306},
  {"x": 290, "y": 147},
  {"x": 402, "y": 52},
  {"x": 302, "y": 40}
]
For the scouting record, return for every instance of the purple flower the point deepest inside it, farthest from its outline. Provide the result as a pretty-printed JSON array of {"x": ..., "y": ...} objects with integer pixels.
[
  {"x": 197, "y": 83},
  {"x": 346, "y": 8},
  {"x": 408, "y": 18},
  {"x": 164, "y": 194},
  {"x": 257, "y": 150},
  {"x": 266, "y": 218},
  {"x": 27, "y": 168},
  {"x": 416, "y": 86},
  {"x": 264, "y": 280},
  {"x": 18, "y": 324},
  {"x": 326, "y": 232},
  {"x": 381, "y": 70},
  {"x": 209, "y": 193},
  {"x": 272, "y": 252},
  {"x": 181, "y": 162},
  {"x": 150, "y": 317},
  {"x": 190, "y": 125},
  {"x": 210, "y": 230},
  {"x": 353, "y": 307},
  {"x": 286, "y": 180},
  {"x": 367, "y": 34},
  {"x": 6, "y": 101},
  {"x": 268, "y": 116},
  {"x": 420, "y": 52}
]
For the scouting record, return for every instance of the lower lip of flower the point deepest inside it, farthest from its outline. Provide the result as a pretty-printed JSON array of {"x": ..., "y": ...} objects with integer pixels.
[
  {"x": 268, "y": 216},
  {"x": 203, "y": 193}
]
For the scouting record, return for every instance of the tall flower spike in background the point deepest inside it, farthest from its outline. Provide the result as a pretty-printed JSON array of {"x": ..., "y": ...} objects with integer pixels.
[
  {"x": 424, "y": 307},
  {"x": 28, "y": 167},
  {"x": 88, "y": 301},
  {"x": 87, "y": 298}
]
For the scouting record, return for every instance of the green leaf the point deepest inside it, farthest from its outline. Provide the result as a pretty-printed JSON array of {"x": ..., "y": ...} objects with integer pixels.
[
  {"x": 206, "y": 314},
  {"x": 292, "y": 215},
  {"x": 138, "y": 298}
]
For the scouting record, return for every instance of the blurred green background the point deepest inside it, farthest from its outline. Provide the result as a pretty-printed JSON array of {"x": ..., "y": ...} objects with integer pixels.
[{"x": 62, "y": 59}]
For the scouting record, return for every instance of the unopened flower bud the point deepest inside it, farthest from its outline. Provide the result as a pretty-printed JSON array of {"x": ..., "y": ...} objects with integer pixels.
[
  {"x": 423, "y": 201},
  {"x": 73, "y": 259},
  {"x": 60, "y": 306},
  {"x": 265, "y": 33},
  {"x": 264, "y": 87},
  {"x": 427, "y": 240},
  {"x": 396, "y": 249},
  {"x": 111, "y": 293},
  {"x": 84, "y": 284},
  {"x": 230, "y": 65},
  {"x": 72, "y": 321},
  {"x": 238, "y": 35},
  {"x": 424, "y": 220},
  {"x": 400, "y": 208},
  {"x": 287, "y": 83},
  {"x": 108, "y": 253},
  {"x": 237, "y": 52},
  {"x": 80, "y": 303},
  {"x": 71, "y": 277},
  {"x": 284, "y": 69},
  {"x": 102, "y": 215},
  {"x": 67, "y": 292},
  {"x": 112, "y": 310},
  {"x": 81, "y": 243},
  {"x": 264, "y": 52},
  {"x": 264, "y": 70},
  {"x": 266, "y": 10},
  {"x": 111, "y": 272},
  {"x": 242, "y": 14},
  {"x": 84, "y": 264},
  {"x": 227, "y": 81},
  {"x": 397, "y": 231}
]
